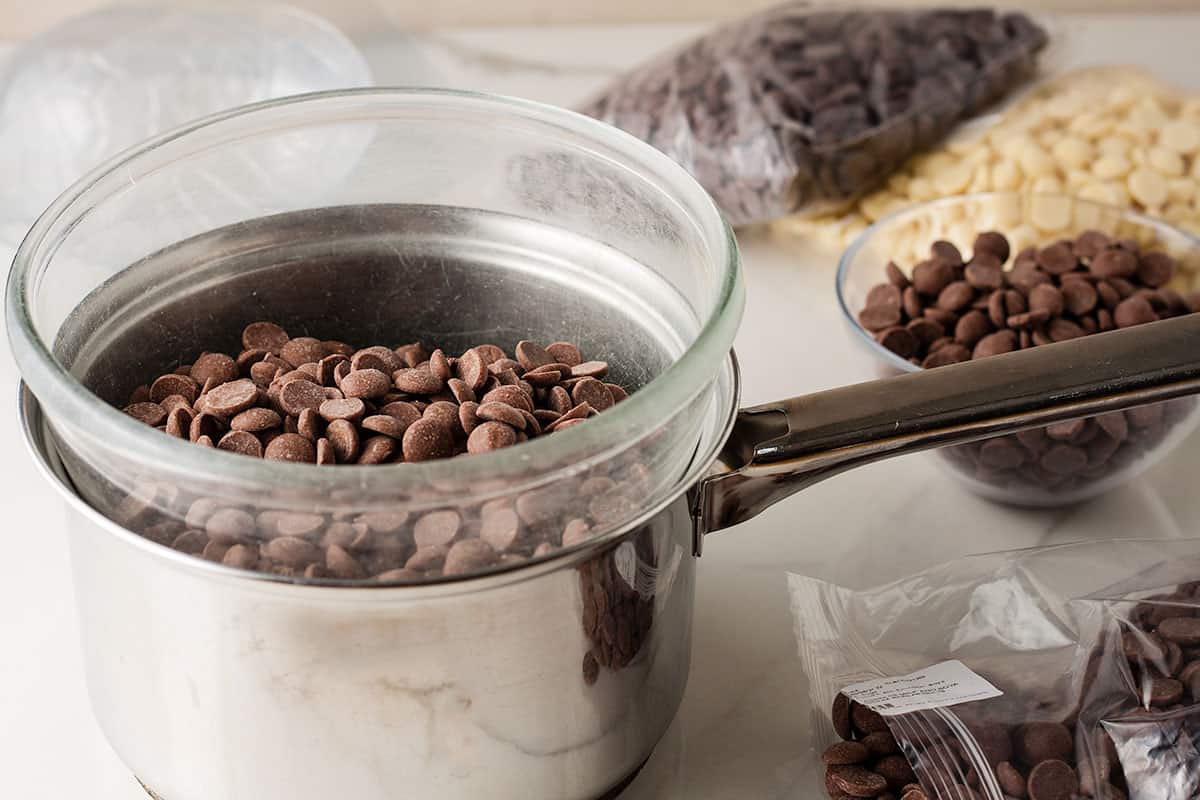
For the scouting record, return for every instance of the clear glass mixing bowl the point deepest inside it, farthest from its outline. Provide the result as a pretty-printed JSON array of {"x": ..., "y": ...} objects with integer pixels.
[
  {"x": 1027, "y": 221},
  {"x": 449, "y": 218}
]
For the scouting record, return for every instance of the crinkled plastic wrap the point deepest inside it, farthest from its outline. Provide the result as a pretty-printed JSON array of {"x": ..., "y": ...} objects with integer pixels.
[
  {"x": 1095, "y": 646},
  {"x": 108, "y": 79},
  {"x": 792, "y": 108}
]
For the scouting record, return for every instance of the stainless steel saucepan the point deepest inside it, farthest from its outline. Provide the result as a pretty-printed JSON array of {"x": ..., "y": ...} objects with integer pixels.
[{"x": 402, "y": 215}]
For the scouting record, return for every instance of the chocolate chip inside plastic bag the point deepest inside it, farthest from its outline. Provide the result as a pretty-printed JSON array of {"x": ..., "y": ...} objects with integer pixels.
[{"x": 824, "y": 105}]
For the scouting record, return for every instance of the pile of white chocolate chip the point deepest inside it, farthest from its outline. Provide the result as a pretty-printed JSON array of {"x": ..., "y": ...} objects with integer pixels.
[{"x": 1114, "y": 135}]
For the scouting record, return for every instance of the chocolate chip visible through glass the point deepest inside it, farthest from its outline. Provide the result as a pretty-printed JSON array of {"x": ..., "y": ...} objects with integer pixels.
[
  {"x": 953, "y": 312},
  {"x": 320, "y": 402}
]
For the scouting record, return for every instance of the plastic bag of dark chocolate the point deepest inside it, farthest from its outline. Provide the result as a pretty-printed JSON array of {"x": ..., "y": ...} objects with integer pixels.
[
  {"x": 1092, "y": 650},
  {"x": 798, "y": 109}
]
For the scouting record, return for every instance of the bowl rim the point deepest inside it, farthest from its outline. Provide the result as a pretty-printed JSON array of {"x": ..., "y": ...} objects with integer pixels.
[{"x": 64, "y": 397}]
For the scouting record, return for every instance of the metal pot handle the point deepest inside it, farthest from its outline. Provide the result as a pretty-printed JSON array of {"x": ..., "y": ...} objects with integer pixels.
[{"x": 779, "y": 448}]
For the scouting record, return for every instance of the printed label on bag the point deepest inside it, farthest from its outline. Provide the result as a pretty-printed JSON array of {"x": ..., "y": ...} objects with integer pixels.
[{"x": 944, "y": 684}]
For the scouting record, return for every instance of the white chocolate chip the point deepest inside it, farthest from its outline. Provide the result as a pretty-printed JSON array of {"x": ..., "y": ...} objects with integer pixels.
[
  {"x": 1089, "y": 215},
  {"x": 1112, "y": 135},
  {"x": 1097, "y": 192},
  {"x": 1050, "y": 213},
  {"x": 953, "y": 179},
  {"x": 1166, "y": 162},
  {"x": 1012, "y": 147},
  {"x": 1073, "y": 152},
  {"x": 1077, "y": 178},
  {"x": 1147, "y": 187},
  {"x": 1048, "y": 138},
  {"x": 898, "y": 183},
  {"x": 921, "y": 189},
  {"x": 939, "y": 162},
  {"x": 1105, "y": 192},
  {"x": 1122, "y": 97},
  {"x": 1134, "y": 131},
  {"x": 1114, "y": 146},
  {"x": 1181, "y": 189},
  {"x": 1150, "y": 114},
  {"x": 981, "y": 181},
  {"x": 981, "y": 155},
  {"x": 1006, "y": 176},
  {"x": 1109, "y": 167},
  {"x": 1046, "y": 184},
  {"x": 1182, "y": 137},
  {"x": 1091, "y": 126},
  {"x": 1035, "y": 162},
  {"x": 1120, "y": 194},
  {"x": 1007, "y": 210}
]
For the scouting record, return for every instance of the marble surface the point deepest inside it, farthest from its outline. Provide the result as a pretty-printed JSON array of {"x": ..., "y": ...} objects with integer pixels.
[{"x": 743, "y": 729}]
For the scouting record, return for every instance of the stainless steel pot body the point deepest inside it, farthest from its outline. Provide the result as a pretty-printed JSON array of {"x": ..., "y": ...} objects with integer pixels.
[
  {"x": 212, "y": 685},
  {"x": 551, "y": 681}
]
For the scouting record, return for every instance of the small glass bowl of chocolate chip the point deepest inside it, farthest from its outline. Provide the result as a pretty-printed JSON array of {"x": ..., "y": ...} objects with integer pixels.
[{"x": 983, "y": 275}]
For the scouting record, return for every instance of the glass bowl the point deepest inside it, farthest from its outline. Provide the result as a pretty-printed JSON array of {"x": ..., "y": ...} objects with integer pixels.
[
  {"x": 389, "y": 216},
  {"x": 1015, "y": 470}
]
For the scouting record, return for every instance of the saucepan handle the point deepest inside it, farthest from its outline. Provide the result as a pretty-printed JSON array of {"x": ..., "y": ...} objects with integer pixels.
[{"x": 779, "y": 448}]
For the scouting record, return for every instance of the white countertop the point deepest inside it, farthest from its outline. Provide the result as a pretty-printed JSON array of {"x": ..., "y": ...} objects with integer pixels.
[{"x": 743, "y": 729}]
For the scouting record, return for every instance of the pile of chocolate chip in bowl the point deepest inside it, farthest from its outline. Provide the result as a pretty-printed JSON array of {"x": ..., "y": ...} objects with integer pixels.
[
  {"x": 323, "y": 402},
  {"x": 952, "y": 308},
  {"x": 1132, "y": 731}
]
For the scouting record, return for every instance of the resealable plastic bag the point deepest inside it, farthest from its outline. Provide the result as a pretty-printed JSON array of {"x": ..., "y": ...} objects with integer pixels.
[
  {"x": 795, "y": 109},
  {"x": 1093, "y": 650},
  {"x": 84, "y": 90}
]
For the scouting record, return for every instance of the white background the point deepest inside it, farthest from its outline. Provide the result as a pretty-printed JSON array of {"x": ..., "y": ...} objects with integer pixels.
[{"x": 743, "y": 731}]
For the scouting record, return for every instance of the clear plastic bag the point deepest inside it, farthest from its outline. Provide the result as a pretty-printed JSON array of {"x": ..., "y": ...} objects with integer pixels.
[
  {"x": 793, "y": 108},
  {"x": 1099, "y": 699},
  {"x": 113, "y": 77}
]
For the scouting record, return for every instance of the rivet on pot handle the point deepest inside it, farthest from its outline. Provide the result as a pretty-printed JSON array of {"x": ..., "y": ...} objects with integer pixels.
[{"x": 779, "y": 448}]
